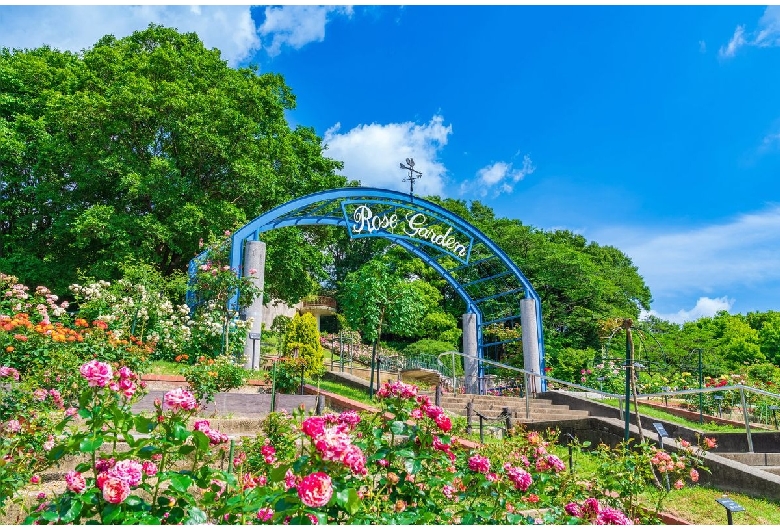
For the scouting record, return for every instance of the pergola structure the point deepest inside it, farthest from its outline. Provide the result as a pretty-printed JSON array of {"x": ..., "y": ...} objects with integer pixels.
[{"x": 491, "y": 285}]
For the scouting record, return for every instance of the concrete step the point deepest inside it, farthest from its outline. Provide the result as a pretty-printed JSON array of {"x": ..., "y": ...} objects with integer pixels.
[
  {"x": 491, "y": 400},
  {"x": 775, "y": 470},
  {"x": 754, "y": 459}
]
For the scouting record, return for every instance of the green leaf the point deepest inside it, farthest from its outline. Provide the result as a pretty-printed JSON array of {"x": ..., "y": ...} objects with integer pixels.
[
  {"x": 180, "y": 482},
  {"x": 397, "y": 427},
  {"x": 412, "y": 466},
  {"x": 144, "y": 425},
  {"x": 50, "y": 515},
  {"x": 110, "y": 512},
  {"x": 71, "y": 511},
  {"x": 196, "y": 516},
  {"x": 180, "y": 432},
  {"x": 90, "y": 444},
  {"x": 277, "y": 474},
  {"x": 56, "y": 452},
  {"x": 348, "y": 500},
  {"x": 201, "y": 440}
]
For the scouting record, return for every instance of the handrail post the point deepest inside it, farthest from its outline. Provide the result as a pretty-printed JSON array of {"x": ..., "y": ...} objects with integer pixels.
[
  {"x": 453, "y": 371},
  {"x": 527, "y": 402},
  {"x": 481, "y": 430},
  {"x": 747, "y": 419},
  {"x": 437, "y": 396},
  {"x": 469, "y": 412},
  {"x": 508, "y": 419}
]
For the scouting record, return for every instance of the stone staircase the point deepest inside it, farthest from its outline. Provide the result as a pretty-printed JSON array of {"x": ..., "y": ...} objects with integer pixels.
[
  {"x": 492, "y": 406},
  {"x": 769, "y": 462}
]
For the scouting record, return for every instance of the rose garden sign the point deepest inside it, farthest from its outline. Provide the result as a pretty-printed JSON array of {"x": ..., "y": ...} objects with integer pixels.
[{"x": 492, "y": 286}]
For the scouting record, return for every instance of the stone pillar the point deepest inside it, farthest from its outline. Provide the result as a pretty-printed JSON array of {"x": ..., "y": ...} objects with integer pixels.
[
  {"x": 530, "y": 342},
  {"x": 254, "y": 268},
  {"x": 470, "y": 365}
]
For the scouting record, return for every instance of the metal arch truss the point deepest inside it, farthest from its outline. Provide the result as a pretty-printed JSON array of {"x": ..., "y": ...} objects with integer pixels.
[{"x": 483, "y": 275}]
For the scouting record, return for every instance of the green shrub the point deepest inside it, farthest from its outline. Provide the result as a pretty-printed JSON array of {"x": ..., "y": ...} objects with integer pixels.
[
  {"x": 210, "y": 376},
  {"x": 428, "y": 347}
]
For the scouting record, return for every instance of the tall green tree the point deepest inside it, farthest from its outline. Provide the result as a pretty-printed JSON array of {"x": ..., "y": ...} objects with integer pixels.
[
  {"x": 374, "y": 299},
  {"x": 139, "y": 147}
]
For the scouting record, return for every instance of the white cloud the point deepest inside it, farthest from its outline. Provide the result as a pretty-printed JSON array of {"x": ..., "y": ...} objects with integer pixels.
[
  {"x": 744, "y": 252},
  {"x": 702, "y": 46},
  {"x": 736, "y": 42},
  {"x": 770, "y": 141},
  {"x": 228, "y": 28},
  {"x": 297, "y": 25},
  {"x": 705, "y": 307},
  {"x": 766, "y": 34},
  {"x": 497, "y": 178},
  {"x": 372, "y": 154}
]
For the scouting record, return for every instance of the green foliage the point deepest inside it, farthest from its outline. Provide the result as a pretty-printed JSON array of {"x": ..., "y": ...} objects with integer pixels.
[
  {"x": 302, "y": 340},
  {"x": 567, "y": 363},
  {"x": 136, "y": 148},
  {"x": 211, "y": 376},
  {"x": 427, "y": 347}
]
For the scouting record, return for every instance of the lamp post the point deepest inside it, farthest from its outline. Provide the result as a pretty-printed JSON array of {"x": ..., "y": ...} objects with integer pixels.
[{"x": 701, "y": 396}]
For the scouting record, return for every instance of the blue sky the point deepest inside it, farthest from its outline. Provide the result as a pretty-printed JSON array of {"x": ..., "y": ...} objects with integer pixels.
[{"x": 655, "y": 129}]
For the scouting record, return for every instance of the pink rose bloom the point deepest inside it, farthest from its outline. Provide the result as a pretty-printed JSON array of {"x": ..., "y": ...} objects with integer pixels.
[
  {"x": 313, "y": 426},
  {"x": 101, "y": 479},
  {"x": 200, "y": 425},
  {"x": 35, "y": 479},
  {"x": 269, "y": 454},
  {"x": 13, "y": 426},
  {"x": 573, "y": 509},
  {"x": 332, "y": 444},
  {"x": 126, "y": 373},
  {"x": 479, "y": 463},
  {"x": 354, "y": 458},
  {"x": 49, "y": 443},
  {"x": 350, "y": 417},
  {"x": 128, "y": 471},
  {"x": 98, "y": 374},
  {"x": 40, "y": 394},
  {"x": 382, "y": 462},
  {"x": 448, "y": 491},
  {"x": 180, "y": 399},
  {"x": 7, "y": 371},
  {"x": 265, "y": 514},
  {"x": 71, "y": 411},
  {"x": 679, "y": 485},
  {"x": 313, "y": 518},
  {"x": 75, "y": 482},
  {"x": 591, "y": 506},
  {"x": 416, "y": 414},
  {"x": 612, "y": 516},
  {"x": 149, "y": 468},
  {"x": 315, "y": 490},
  {"x": 694, "y": 475},
  {"x": 520, "y": 477},
  {"x": 290, "y": 480},
  {"x": 443, "y": 422},
  {"x": 115, "y": 491}
]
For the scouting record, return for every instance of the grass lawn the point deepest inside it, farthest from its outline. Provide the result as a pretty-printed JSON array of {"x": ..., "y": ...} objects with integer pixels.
[{"x": 645, "y": 410}]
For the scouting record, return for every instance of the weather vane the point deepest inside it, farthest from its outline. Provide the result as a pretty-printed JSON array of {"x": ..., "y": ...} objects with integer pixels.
[{"x": 412, "y": 177}]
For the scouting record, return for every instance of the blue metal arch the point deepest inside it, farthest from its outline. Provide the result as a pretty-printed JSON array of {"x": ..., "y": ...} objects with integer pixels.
[{"x": 483, "y": 278}]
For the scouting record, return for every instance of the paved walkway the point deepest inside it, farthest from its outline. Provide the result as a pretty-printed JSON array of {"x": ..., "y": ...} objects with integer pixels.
[{"x": 238, "y": 405}]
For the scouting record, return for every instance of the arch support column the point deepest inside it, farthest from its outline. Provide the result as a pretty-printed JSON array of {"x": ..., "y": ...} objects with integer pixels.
[
  {"x": 530, "y": 342},
  {"x": 470, "y": 364},
  {"x": 254, "y": 269}
]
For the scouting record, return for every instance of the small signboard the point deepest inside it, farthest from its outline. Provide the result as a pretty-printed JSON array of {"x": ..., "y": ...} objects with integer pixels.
[
  {"x": 659, "y": 428},
  {"x": 730, "y": 505},
  {"x": 254, "y": 336}
]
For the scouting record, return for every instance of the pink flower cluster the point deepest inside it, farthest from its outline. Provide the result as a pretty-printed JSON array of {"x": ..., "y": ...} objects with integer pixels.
[
  {"x": 397, "y": 389},
  {"x": 127, "y": 383},
  {"x": 548, "y": 462},
  {"x": 75, "y": 482},
  {"x": 98, "y": 373},
  {"x": 521, "y": 478},
  {"x": 330, "y": 436},
  {"x": 591, "y": 511},
  {"x": 13, "y": 426},
  {"x": 180, "y": 399},
  {"x": 479, "y": 464},
  {"x": 315, "y": 490},
  {"x": 7, "y": 371},
  {"x": 115, "y": 478},
  {"x": 215, "y": 437},
  {"x": 441, "y": 446},
  {"x": 434, "y": 412}
]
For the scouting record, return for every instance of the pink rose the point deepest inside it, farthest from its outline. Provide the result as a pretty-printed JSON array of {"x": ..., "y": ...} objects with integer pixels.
[
  {"x": 115, "y": 490},
  {"x": 315, "y": 490},
  {"x": 98, "y": 374},
  {"x": 75, "y": 482},
  {"x": 149, "y": 468},
  {"x": 128, "y": 471},
  {"x": 479, "y": 463},
  {"x": 180, "y": 399},
  {"x": 313, "y": 426},
  {"x": 265, "y": 514}
]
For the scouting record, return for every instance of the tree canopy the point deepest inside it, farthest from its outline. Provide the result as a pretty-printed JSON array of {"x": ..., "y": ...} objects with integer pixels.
[{"x": 136, "y": 149}]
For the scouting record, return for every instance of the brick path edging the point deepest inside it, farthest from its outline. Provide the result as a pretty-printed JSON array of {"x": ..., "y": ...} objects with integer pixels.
[{"x": 180, "y": 379}]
